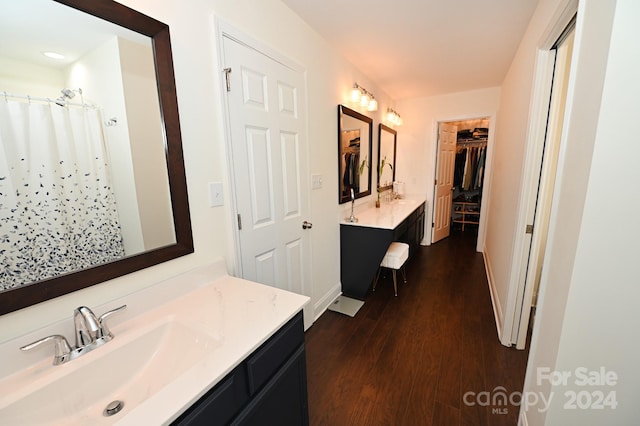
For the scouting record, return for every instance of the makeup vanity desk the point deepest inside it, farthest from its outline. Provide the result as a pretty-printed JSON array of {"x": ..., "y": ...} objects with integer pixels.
[{"x": 363, "y": 244}]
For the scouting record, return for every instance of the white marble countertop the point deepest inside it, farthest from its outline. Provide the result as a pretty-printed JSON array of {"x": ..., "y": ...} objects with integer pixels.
[
  {"x": 236, "y": 314},
  {"x": 388, "y": 216}
]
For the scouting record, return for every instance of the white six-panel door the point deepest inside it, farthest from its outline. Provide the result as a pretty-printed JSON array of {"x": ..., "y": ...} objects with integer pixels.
[
  {"x": 267, "y": 118},
  {"x": 447, "y": 136}
]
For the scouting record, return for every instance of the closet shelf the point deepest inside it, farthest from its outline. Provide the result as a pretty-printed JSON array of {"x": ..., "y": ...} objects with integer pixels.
[
  {"x": 471, "y": 141},
  {"x": 465, "y": 213}
]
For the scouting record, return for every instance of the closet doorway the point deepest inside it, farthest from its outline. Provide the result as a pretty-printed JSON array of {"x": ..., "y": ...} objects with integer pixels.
[{"x": 460, "y": 174}]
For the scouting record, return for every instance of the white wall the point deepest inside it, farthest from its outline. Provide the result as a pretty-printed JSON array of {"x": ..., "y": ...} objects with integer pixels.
[
  {"x": 16, "y": 77},
  {"x": 418, "y": 136},
  {"x": 148, "y": 151},
  {"x": 588, "y": 312},
  {"x": 330, "y": 79},
  {"x": 508, "y": 160},
  {"x": 99, "y": 74}
]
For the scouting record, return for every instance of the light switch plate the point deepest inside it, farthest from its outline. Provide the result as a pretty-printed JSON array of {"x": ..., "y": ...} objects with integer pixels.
[
  {"x": 215, "y": 194},
  {"x": 316, "y": 181}
]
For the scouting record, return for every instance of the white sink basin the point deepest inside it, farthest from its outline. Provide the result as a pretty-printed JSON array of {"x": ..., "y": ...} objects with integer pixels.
[
  {"x": 133, "y": 367},
  {"x": 402, "y": 202},
  {"x": 176, "y": 340}
]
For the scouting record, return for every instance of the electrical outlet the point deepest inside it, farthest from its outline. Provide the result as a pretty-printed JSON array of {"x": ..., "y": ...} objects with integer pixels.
[{"x": 215, "y": 194}]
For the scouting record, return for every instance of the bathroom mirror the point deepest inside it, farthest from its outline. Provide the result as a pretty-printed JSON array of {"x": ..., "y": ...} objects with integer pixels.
[
  {"x": 387, "y": 153},
  {"x": 354, "y": 154},
  {"x": 143, "y": 107}
]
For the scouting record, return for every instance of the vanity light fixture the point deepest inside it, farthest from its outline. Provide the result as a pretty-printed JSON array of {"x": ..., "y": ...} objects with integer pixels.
[
  {"x": 393, "y": 117},
  {"x": 355, "y": 93},
  {"x": 364, "y": 98},
  {"x": 373, "y": 104}
]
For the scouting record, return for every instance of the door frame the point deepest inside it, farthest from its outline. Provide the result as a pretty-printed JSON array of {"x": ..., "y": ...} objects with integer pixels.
[
  {"x": 488, "y": 167},
  {"x": 225, "y": 30},
  {"x": 519, "y": 297}
]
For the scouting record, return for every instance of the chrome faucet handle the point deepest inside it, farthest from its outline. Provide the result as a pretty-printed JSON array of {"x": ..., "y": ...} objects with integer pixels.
[
  {"x": 91, "y": 333},
  {"x": 62, "y": 348},
  {"x": 353, "y": 217},
  {"x": 104, "y": 330},
  {"x": 87, "y": 326}
]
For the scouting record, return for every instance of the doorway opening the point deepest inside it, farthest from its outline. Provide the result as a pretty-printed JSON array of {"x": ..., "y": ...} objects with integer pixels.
[{"x": 460, "y": 174}]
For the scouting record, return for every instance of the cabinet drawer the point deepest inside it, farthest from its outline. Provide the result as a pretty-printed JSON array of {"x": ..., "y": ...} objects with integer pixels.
[
  {"x": 399, "y": 234},
  {"x": 283, "y": 400},
  {"x": 220, "y": 405},
  {"x": 267, "y": 359}
]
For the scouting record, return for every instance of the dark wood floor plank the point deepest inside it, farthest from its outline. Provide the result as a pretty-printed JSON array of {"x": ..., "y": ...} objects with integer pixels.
[
  {"x": 420, "y": 401},
  {"x": 409, "y": 360},
  {"x": 446, "y": 415}
]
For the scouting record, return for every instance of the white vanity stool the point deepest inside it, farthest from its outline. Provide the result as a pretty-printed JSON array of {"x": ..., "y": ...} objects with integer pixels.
[{"x": 397, "y": 254}]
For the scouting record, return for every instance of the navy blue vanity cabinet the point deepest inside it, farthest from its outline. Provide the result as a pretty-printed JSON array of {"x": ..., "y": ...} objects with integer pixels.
[
  {"x": 283, "y": 400},
  {"x": 416, "y": 233},
  {"x": 221, "y": 404},
  {"x": 268, "y": 387},
  {"x": 363, "y": 247}
]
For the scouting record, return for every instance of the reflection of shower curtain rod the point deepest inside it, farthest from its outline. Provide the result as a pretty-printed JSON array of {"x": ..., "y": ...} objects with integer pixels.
[{"x": 29, "y": 98}]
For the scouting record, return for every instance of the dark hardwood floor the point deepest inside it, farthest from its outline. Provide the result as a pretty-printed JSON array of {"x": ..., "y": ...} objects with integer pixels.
[{"x": 410, "y": 360}]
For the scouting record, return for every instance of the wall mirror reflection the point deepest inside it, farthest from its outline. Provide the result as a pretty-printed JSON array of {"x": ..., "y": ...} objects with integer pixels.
[
  {"x": 92, "y": 179},
  {"x": 354, "y": 154},
  {"x": 387, "y": 157}
]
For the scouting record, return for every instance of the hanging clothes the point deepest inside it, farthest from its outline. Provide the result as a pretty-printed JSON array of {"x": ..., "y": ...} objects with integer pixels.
[
  {"x": 469, "y": 167},
  {"x": 351, "y": 178},
  {"x": 479, "y": 174},
  {"x": 458, "y": 173}
]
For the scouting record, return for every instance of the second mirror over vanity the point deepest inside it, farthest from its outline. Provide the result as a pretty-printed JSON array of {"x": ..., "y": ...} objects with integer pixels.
[{"x": 387, "y": 157}]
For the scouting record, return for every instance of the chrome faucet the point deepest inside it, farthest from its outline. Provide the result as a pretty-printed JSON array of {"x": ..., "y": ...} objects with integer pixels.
[
  {"x": 352, "y": 218},
  {"x": 91, "y": 332},
  {"x": 86, "y": 325}
]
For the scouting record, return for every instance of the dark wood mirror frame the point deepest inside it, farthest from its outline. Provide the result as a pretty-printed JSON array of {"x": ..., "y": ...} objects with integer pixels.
[
  {"x": 14, "y": 299},
  {"x": 343, "y": 110}
]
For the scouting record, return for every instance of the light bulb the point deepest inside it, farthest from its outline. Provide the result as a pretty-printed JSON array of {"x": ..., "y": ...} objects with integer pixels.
[
  {"x": 364, "y": 100},
  {"x": 390, "y": 116},
  {"x": 355, "y": 94},
  {"x": 373, "y": 104}
]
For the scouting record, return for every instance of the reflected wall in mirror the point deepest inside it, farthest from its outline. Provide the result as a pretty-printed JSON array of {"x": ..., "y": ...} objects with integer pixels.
[
  {"x": 387, "y": 154},
  {"x": 354, "y": 154},
  {"x": 94, "y": 186}
]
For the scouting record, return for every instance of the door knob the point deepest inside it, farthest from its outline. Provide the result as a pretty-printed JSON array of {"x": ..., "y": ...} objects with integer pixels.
[{"x": 307, "y": 225}]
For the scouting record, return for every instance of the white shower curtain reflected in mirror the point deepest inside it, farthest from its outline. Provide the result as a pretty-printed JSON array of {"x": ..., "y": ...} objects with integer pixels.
[{"x": 57, "y": 208}]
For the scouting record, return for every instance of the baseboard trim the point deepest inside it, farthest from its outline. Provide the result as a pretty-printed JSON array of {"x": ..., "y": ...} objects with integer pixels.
[
  {"x": 495, "y": 299},
  {"x": 321, "y": 305}
]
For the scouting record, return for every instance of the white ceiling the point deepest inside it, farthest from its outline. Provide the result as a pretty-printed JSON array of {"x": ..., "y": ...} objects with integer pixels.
[
  {"x": 29, "y": 27},
  {"x": 418, "y": 48}
]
